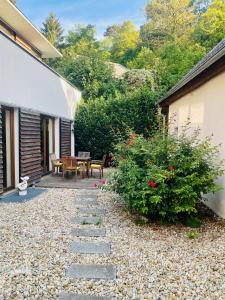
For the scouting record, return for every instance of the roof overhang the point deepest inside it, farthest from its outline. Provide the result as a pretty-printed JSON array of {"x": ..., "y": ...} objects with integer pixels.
[
  {"x": 210, "y": 66},
  {"x": 15, "y": 19}
]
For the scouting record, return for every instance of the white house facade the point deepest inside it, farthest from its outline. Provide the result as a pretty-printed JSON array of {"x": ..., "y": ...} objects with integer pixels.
[
  {"x": 200, "y": 98},
  {"x": 37, "y": 106}
]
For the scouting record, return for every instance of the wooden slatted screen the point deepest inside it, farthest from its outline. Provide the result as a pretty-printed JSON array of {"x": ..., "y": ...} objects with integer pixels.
[
  {"x": 1, "y": 154},
  {"x": 65, "y": 137},
  {"x": 30, "y": 146}
]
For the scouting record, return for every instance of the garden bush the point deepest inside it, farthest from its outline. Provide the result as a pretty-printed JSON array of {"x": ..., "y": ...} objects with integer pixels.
[
  {"x": 101, "y": 124},
  {"x": 165, "y": 177}
]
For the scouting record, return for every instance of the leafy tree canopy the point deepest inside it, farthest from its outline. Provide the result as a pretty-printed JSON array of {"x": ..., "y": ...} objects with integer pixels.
[{"x": 52, "y": 30}]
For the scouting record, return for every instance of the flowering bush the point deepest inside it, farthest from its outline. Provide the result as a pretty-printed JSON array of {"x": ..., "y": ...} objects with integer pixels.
[{"x": 165, "y": 177}]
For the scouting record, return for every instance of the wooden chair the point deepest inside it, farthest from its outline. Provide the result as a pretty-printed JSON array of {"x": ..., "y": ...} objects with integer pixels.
[
  {"x": 56, "y": 163},
  {"x": 83, "y": 155},
  {"x": 98, "y": 165},
  {"x": 70, "y": 165}
]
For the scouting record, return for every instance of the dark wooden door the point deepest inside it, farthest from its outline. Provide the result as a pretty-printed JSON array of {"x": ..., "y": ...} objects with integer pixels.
[
  {"x": 30, "y": 146},
  {"x": 44, "y": 133},
  {"x": 65, "y": 137}
]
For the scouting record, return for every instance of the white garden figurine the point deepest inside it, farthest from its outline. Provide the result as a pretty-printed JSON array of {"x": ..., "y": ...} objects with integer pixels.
[{"x": 22, "y": 187}]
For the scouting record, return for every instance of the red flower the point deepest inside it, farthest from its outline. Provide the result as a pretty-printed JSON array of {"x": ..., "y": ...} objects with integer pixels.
[
  {"x": 152, "y": 184},
  {"x": 171, "y": 168},
  {"x": 133, "y": 136},
  {"x": 129, "y": 143}
]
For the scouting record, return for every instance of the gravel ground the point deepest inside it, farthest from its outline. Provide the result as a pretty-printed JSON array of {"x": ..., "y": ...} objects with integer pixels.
[{"x": 154, "y": 262}]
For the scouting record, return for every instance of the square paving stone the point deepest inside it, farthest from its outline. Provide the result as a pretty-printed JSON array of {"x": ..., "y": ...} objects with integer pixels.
[
  {"x": 89, "y": 232},
  {"x": 86, "y": 220},
  {"x": 86, "y": 202},
  {"x": 90, "y": 248},
  {"x": 98, "y": 272},
  {"x": 86, "y": 197},
  {"x": 93, "y": 211},
  {"x": 84, "y": 192},
  {"x": 65, "y": 296}
]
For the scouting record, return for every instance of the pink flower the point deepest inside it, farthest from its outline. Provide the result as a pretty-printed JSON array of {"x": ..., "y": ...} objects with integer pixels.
[
  {"x": 103, "y": 181},
  {"x": 95, "y": 185}
]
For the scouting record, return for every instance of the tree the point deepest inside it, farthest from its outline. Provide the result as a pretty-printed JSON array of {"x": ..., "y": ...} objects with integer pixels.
[
  {"x": 200, "y": 6},
  {"x": 92, "y": 75},
  {"x": 101, "y": 124},
  {"x": 211, "y": 28},
  {"x": 175, "y": 60},
  {"x": 167, "y": 20},
  {"x": 52, "y": 30},
  {"x": 112, "y": 30},
  {"x": 79, "y": 33},
  {"x": 124, "y": 40}
]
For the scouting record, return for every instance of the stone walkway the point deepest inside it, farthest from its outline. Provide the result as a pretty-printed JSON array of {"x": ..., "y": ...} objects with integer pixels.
[{"x": 89, "y": 214}]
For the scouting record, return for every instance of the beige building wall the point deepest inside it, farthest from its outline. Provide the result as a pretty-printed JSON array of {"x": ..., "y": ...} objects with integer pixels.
[{"x": 205, "y": 108}]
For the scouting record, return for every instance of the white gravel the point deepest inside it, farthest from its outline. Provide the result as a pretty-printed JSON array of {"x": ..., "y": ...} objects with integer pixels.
[{"x": 153, "y": 262}]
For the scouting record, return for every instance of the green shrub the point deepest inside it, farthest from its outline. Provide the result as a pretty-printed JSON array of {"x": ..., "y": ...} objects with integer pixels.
[
  {"x": 101, "y": 124},
  {"x": 165, "y": 177}
]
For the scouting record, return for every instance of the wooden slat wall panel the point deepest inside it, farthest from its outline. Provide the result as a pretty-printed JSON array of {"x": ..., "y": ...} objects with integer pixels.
[
  {"x": 30, "y": 146},
  {"x": 65, "y": 137},
  {"x": 1, "y": 154}
]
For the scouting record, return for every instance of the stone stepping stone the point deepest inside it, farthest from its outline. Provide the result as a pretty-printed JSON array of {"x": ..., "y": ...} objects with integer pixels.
[
  {"x": 87, "y": 191},
  {"x": 89, "y": 232},
  {"x": 90, "y": 248},
  {"x": 86, "y": 220},
  {"x": 86, "y": 202},
  {"x": 86, "y": 197},
  {"x": 93, "y": 211},
  {"x": 98, "y": 272},
  {"x": 65, "y": 296}
]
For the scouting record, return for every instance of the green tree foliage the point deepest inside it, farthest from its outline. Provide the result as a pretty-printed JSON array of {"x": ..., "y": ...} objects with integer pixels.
[
  {"x": 123, "y": 39},
  {"x": 200, "y": 6},
  {"x": 211, "y": 27},
  {"x": 92, "y": 75},
  {"x": 52, "y": 30},
  {"x": 175, "y": 60},
  {"x": 175, "y": 36},
  {"x": 81, "y": 33},
  {"x": 101, "y": 124},
  {"x": 167, "y": 20}
]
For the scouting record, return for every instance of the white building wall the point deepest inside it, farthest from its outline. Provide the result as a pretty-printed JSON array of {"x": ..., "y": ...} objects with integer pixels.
[
  {"x": 57, "y": 137},
  {"x": 72, "y": 140},
  {"x": 16, "y": 145},
  {"x": 26, "y": 83},
  {"x": 205, "y": 108}
]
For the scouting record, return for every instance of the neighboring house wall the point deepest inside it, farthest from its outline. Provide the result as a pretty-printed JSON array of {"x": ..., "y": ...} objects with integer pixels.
[{"x": 205, "y": 107}]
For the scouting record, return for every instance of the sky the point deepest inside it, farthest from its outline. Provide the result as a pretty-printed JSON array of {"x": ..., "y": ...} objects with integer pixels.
[{"x": 100, "y": 13}]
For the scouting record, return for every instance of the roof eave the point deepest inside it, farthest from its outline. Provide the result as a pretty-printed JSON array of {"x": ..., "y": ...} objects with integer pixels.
[{"x": 19, "y": 23}]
